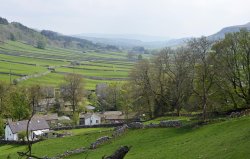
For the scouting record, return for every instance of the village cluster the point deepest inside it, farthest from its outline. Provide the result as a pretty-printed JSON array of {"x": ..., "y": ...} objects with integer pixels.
[{"x": 43, "y": 125}]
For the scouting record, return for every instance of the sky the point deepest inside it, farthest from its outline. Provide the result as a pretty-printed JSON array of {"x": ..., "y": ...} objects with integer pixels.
[{"x": 165, "y": 18}]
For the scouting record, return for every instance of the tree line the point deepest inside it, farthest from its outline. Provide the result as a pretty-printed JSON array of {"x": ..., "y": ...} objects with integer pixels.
[{"x": 202, "y": 76}]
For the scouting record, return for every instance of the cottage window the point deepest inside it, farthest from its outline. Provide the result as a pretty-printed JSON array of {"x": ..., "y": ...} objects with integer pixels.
[{"x": 97, "y": 121}]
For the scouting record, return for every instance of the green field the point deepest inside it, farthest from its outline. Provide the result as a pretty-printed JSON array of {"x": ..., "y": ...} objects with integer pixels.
[
  {"x": 21, "y": 59},
  {"x": 227, "y": 139},
  {"x": 52, "y": 147}
]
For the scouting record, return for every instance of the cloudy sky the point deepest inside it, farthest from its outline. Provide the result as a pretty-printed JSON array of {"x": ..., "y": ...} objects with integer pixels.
[{"x": 168, "y": 18}]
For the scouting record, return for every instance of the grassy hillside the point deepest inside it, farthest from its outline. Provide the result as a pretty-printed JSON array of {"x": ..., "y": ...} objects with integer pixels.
[
  {"x": 21, "y": 59},
  {"x": 53, "y": 147},
  {"x": 228, "y": 139},
  {"x": 20, "y": 32}
]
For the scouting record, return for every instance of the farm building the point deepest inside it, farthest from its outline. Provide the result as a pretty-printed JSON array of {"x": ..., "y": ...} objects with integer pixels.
[
  {"x": 90, "y": 119},
  {"x": 112, "y": 117},
  {"x": 50, "y": 118},
  {"x": 36, "y": 128}
]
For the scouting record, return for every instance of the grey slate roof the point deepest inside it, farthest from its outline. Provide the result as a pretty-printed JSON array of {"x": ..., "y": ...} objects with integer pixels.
[
  {"x": 88, "y": 115},
  {"x": 112, "y": 113},
  {"x": 46, "y": 117},
  {"x": 35, "y": 124}
]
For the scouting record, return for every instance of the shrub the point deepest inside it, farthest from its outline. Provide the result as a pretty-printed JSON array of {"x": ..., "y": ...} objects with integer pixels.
[
  {"x": 22, "y": 135},
  {"x": 1, "y": 127}
]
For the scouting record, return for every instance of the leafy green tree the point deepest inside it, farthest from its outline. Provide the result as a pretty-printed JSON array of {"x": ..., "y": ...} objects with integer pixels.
[
  {"x": 140, "y": 57},
  {"x": 1, "y": 126},
  {"x": 234, "y": 58},
  {"x": 20, "y": 105},
  {"x": 5, "y": 110},
  {"x": 93, "y": 99},
  {"x": 41, "y": 44},
  {"x": 126, "y": 99},
  {"x": 75, "y": 118}
]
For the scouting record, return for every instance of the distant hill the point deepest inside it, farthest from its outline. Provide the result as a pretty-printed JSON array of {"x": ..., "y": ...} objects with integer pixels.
[
  {"x": 137, "y": 37},
  {"x": 130, "y": 41},
  {"x": 231, "y": 29},
  {"x": 68, "y": 41},
  {"x": 151, "y": 42},
  {"x": 17, "y": 31},
  {"x": 125, "y": 40}
]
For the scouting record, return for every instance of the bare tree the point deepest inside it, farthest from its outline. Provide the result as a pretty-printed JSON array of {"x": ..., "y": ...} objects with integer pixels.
[
  {"x": 140, "y": 79},
  {"x": 113, "y": 96},
  {"x": 204, "y": 70},
  {"x": 72, "y": 90},
  {"x": 48, "y": 94},
  {"x": 180, "y": 70},
  {"x": 160, "y": 82}
]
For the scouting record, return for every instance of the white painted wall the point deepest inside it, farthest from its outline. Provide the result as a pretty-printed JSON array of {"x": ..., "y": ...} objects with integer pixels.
[
  {"x": 8, "y": 133},
  {"x": 87, "y": 121},
  {"x": 10, "y": 136},
  {"x": 93, "y": 120}
]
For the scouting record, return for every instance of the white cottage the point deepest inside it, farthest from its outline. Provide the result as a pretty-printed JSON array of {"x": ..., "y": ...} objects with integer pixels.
[
  {"x": 90, "y": 119},
  {"x": 36, "y": 128}
]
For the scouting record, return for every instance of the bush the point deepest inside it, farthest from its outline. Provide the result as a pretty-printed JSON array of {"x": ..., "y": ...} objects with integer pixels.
[
  {"x": 66, "y": 123},
  {"x": 22, "y": 135}
]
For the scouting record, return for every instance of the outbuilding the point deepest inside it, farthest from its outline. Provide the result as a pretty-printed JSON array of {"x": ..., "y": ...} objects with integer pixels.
[{"x": 90, "y": 119}]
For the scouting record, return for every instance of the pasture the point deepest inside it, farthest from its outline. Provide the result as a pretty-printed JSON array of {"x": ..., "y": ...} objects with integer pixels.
[
  {"x": 18, "y": 59},
  {"x": 226, "y": 139}
]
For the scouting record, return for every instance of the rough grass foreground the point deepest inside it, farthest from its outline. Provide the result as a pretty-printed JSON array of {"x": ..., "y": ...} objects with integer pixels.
[{"x": 228, "y": 139}]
